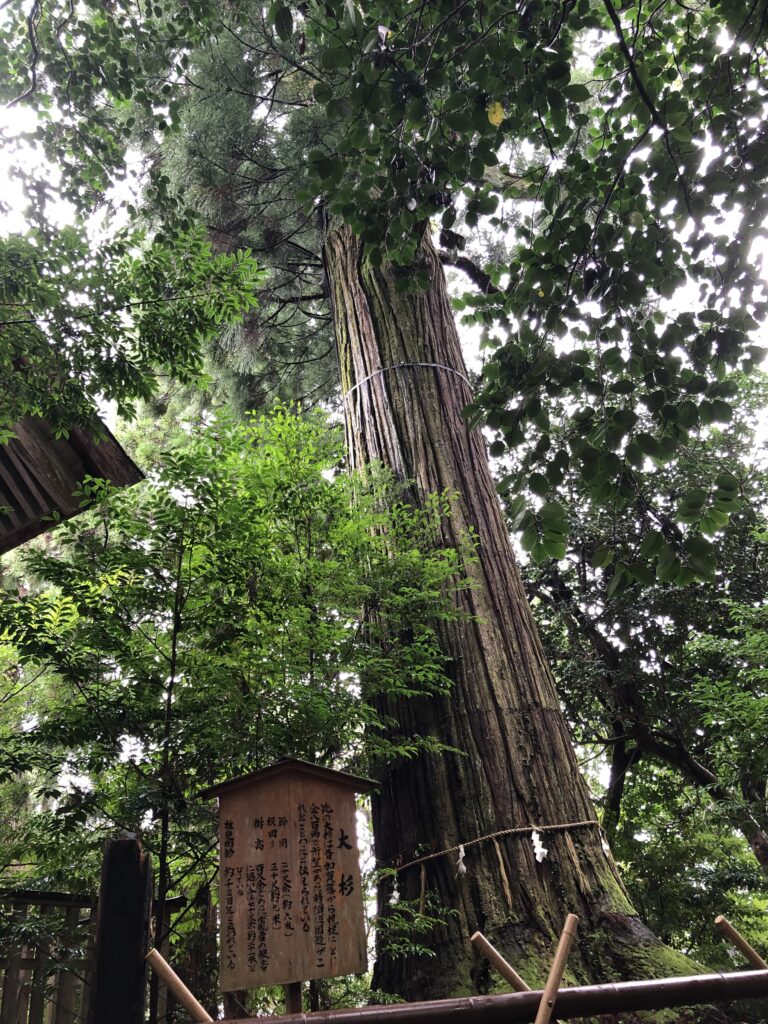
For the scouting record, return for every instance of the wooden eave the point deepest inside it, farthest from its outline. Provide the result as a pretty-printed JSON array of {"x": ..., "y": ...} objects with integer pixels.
[
  {"x": 292, "y": 765},
  {"x": 40, "y": 473}
]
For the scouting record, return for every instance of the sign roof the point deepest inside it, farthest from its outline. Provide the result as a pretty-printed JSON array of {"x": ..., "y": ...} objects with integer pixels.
[{"x": 293, "y": 765}]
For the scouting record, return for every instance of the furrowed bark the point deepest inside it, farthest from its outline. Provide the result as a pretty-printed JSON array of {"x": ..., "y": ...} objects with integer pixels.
[{"x": 516, "y": 765}]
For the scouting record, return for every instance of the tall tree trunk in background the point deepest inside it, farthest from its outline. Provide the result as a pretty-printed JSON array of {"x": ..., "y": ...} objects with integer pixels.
[{"x": 517, "y": 766}]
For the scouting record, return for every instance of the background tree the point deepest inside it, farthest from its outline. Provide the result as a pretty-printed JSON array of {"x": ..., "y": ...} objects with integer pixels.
[
  {"x": 245, "y": 120},
  {"x": 631, "y": 652},
  {"x": 82, "y": 322},
  {"x": 664, "y": 684}
]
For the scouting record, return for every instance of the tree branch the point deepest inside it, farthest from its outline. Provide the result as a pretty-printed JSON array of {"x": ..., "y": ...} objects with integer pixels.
[
  {"x": 658, "y": 120},
  {"x": 476, "y": 274}
]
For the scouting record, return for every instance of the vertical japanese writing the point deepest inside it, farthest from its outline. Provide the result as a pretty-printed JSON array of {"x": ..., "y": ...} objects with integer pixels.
[
  {"x": 318, "y": 894},
  {"x": 251, "y": 926},
  {"x": 274, "y": 896},
  {"x": 304, "y": 867},
  {"x": 288, "y": 865},
  {"x": 228, "y": 845},
  {"x": 261, "y": 917},
  {"x": 287, "y": 898},
  {"x": 230, "y": 935},
  {"x": 330, "y": 878}
]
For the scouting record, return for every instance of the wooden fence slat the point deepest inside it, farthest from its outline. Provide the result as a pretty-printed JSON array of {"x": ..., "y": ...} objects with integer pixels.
[
  {"x": 38, "y": 989},
  {"x": 26, "y": 975},
  {"x": 66, "y": 990},
  {"x": 87, "y": 971},
  {"x": 10, "y": 993},
  {"x": 37, "y": 997},
  {"x": 9, "y": 999},
  {"x": 165, "y": 1000},
  {"x": 38, "y": 985}
]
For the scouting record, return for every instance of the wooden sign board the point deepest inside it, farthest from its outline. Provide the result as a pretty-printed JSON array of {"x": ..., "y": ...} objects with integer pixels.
[{"x": 290, "y": 897}]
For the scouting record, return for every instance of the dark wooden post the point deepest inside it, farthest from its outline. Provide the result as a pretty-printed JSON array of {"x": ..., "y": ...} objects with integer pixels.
[
  {"x": 293, "y": 1000},
  {"x": 118, "y": 985}
]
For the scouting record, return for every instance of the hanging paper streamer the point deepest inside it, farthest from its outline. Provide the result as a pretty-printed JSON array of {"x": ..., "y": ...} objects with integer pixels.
[
  {"x": 423, "y": 893},
  {"x": 461, "y": 867},
  {"x": 395, "y": 897},
  {"x": 539, "y": 850}
]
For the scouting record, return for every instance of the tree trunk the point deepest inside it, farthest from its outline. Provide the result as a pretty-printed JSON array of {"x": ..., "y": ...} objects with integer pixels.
[{"x": 516, "y": 766}]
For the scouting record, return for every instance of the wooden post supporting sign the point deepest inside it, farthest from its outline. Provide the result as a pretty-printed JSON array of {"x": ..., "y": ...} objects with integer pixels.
[{"x": 293, "y": 1000}]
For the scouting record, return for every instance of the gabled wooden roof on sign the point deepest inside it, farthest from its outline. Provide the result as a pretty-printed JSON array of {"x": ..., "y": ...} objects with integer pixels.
[
  {"x": 40, "y": 473},
  {"x": 294, "y": 765}
]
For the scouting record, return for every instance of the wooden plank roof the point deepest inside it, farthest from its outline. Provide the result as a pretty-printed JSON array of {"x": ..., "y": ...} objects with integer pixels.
[
  {"x": 40, "y": 473},
  {"x": 292, "y": 765}
]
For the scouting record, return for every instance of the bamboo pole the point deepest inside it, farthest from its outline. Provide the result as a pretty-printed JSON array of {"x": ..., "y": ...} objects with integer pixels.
[
  {"x": 173, "y": 982},
  {"x": 557, "y": 970},
  {"x": 521, "y": 1007},
  {"x": 729, "y": 932},
  {"x": 483, "y": 946}
]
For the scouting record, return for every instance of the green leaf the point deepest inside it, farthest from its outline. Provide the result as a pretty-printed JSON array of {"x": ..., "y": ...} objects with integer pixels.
[
  {"x": 539, "y": 552},
  {"x": 722, "y": 412},
  {"x": 322, "y": 93},
  {"x": 283, "y": 23},
  {"x": 528, "y": 539},
  {"x": 601, "y": 557},
  {"x": 538, "y": 483},
  {"x": 554, "y": 548},
  {"x": 652, "y": 544},
  {"x": 577, "y": 93},
  {"x": 618, "y": 582},
  {"x": 644, "y": 574},
  {"x": 647, "y": 444},
  {"x": 334, "y": 58},
  {"x": 687, "y": 415},
  {"x": 727, "y": 482},
  {"x": 553, "y": 515},
  {"x": 694, "y": 499},
  {"x": 517, "y": 511}
]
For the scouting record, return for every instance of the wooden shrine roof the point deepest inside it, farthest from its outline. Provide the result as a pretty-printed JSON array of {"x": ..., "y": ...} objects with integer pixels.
[
  {"x": 292, "y": 765},
  {"x": 40, "y": 473}
]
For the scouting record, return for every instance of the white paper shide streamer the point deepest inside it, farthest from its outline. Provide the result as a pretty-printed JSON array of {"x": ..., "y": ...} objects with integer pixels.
[
  {"x": 461, "y": 867},
  {"x": 539, "y": 850}
]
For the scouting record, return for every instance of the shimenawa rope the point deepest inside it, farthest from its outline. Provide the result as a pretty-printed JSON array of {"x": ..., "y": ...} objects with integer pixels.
[{"x": 405, "y": 366}]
